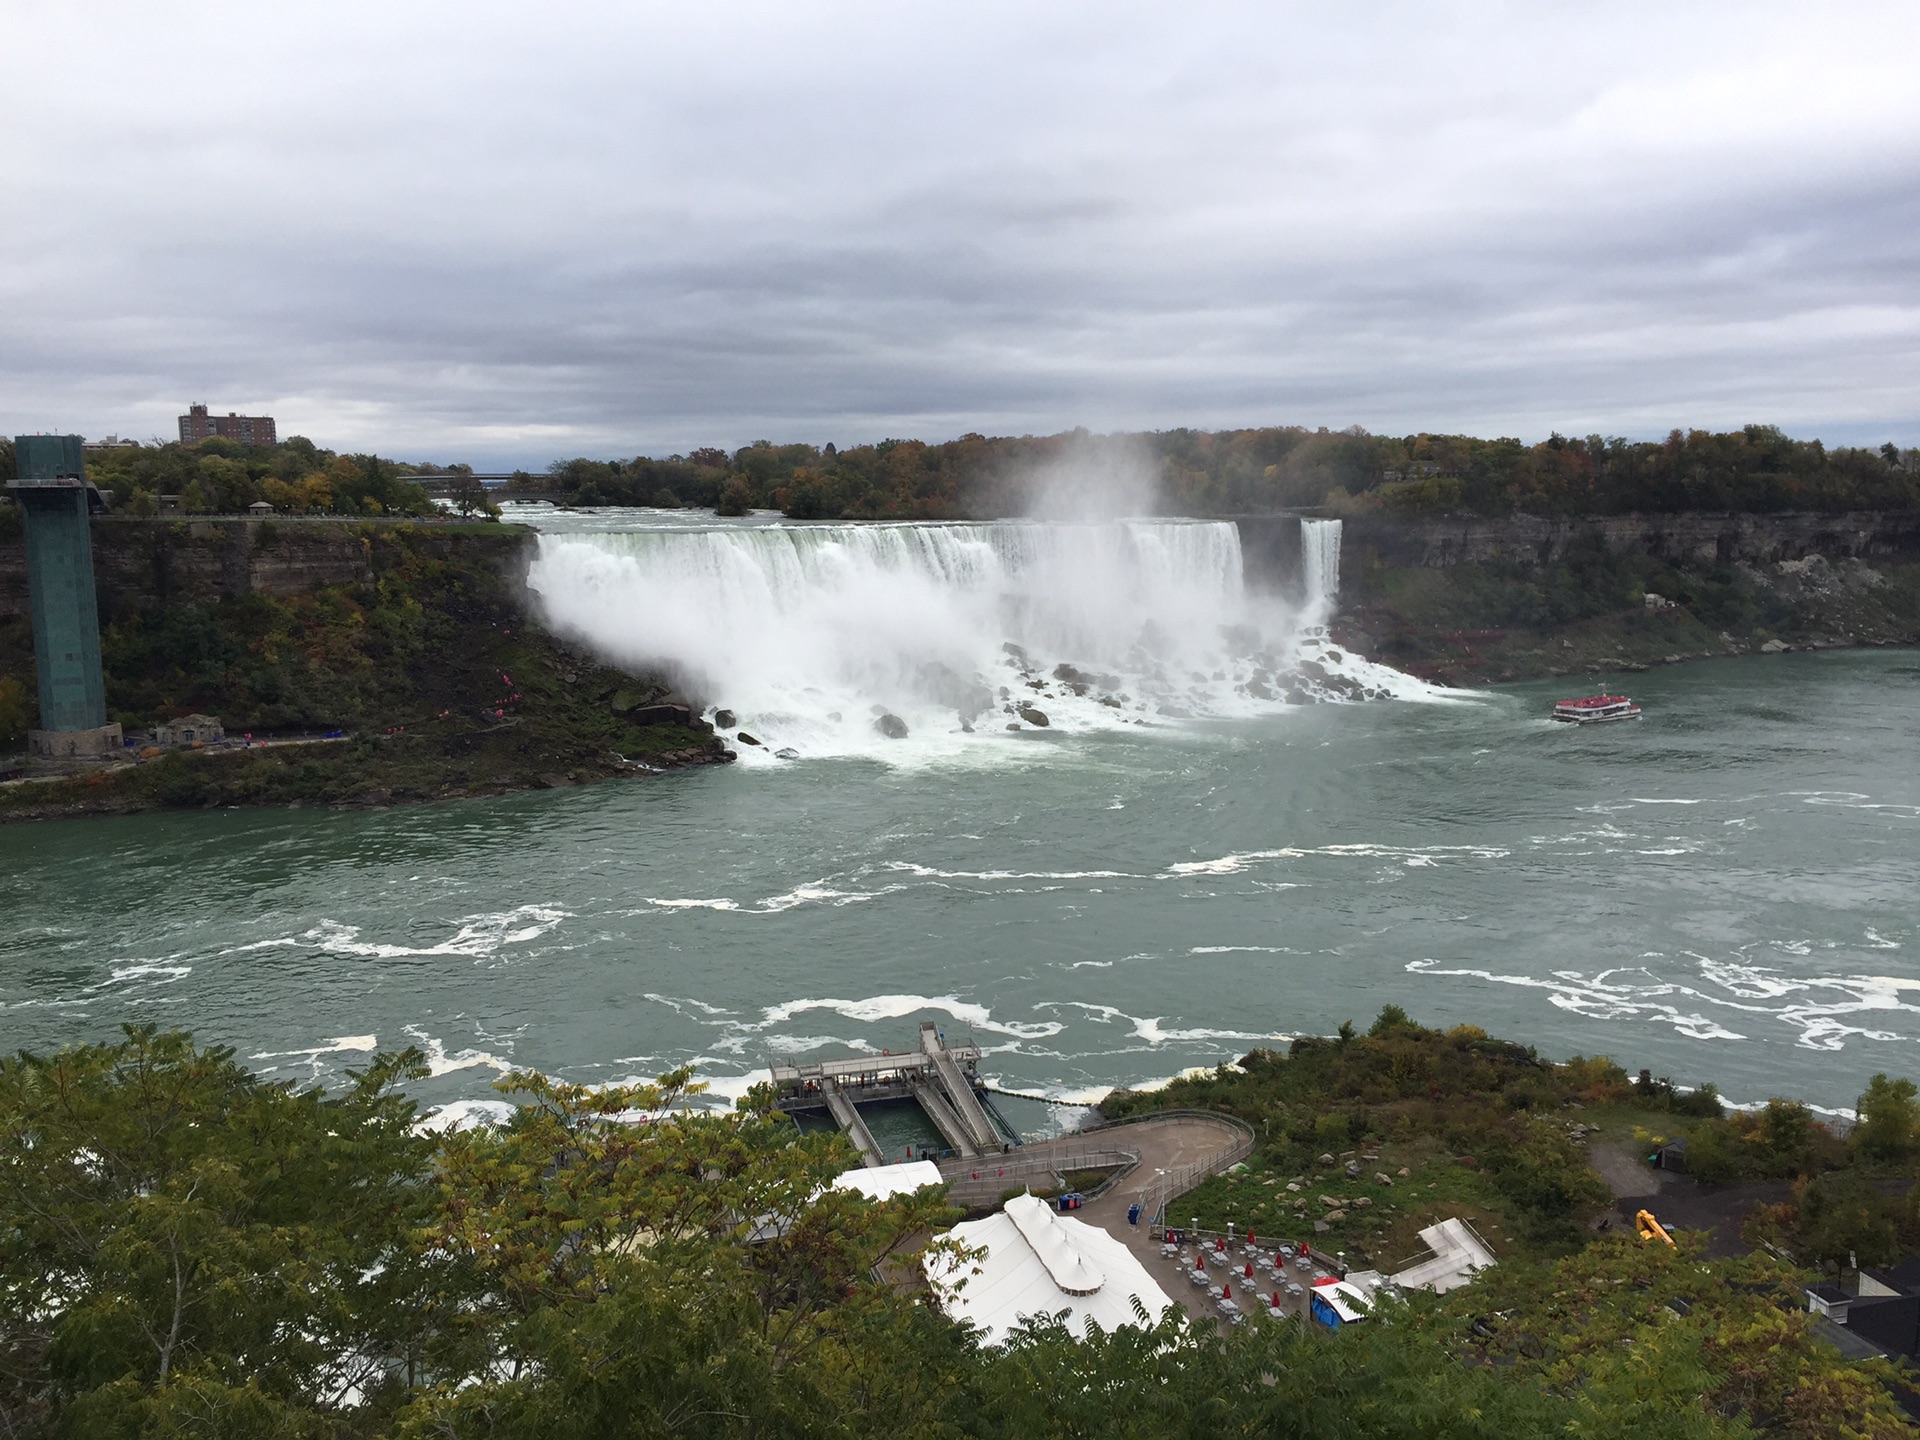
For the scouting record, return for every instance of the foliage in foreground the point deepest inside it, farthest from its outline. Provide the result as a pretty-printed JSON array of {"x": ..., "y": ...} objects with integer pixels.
[{"x": 187, "y": 1249}]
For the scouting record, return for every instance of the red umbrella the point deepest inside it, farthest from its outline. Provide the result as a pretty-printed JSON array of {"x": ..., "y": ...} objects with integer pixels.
[
  {"x": 1226, "y": 1292},
  {"x": 1249, "y": 1270},
  {"x": 1250, "y": 1239},
  {"x": 1200, "y": 1260},
  {"x": 1276, "y": 1299}
]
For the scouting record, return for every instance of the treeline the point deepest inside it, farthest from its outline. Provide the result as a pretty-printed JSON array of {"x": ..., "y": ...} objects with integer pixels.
[
  {"x": 224, "y": 477},
  {"x": 186, "y": 1248},
  {"x": 1286, "y": 467}
]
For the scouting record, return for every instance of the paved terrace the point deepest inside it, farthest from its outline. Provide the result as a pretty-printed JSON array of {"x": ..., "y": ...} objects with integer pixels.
[{"x": 1167, "y": 1156}]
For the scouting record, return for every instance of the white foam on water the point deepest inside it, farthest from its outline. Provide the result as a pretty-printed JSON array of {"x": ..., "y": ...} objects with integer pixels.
[
  {"x": 814, "y": 894},
  {"x": 809, "y": 633},
  {"x": 1818, "y": 1012},
  {"x": 165, "y": 974},
  {"x": 439, "y": 1062},
  {"x": 1245, "y": 950},
  {"x": 464, "y": 1115},
  {"x": 1409, "y": 855},
  {"x": 929, "y": 872},
  {"x": 338, "y": 1045},
  {"x": 893, "y": 1007},
  {"x": 478, "y": 937}
]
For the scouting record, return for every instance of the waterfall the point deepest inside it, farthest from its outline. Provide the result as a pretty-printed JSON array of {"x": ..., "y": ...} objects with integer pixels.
[
  {"x": 1320, "y": 561},
  {"x": 810, "y": 633}
]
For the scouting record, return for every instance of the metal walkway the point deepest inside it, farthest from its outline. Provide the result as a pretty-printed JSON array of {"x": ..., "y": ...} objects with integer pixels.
[{"x": 847, "y": 1117}]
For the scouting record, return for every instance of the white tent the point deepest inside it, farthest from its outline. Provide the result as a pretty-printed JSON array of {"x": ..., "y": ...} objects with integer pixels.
[
  {"x": 883, "y": 1182},
  {"x": 1457, "y": 1254},
  {"x": 1040, "y": 1263}
]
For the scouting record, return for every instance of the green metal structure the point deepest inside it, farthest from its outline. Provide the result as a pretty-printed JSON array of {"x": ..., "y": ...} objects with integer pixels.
[{"x": 51, "y": 487}]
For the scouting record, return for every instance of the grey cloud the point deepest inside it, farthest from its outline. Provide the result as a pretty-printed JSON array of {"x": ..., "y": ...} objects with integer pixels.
[{"x": 464, "y": 232}]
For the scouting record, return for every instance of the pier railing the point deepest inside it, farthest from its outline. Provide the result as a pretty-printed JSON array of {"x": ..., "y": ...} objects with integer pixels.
[
  {"x": 991, "y": 1176},
  {"x": 1103, "y": 1147}
]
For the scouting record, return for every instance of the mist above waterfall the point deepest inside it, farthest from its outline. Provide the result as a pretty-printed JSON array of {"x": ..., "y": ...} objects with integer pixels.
[
  {"x": 964, "y": 633},
  {"x": 1095, "y": 477}
]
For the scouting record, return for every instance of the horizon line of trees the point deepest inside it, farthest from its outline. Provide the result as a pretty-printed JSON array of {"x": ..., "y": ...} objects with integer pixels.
[
  {"x": 1195, "y": 472},
  {"x": 218, "y": 476}
]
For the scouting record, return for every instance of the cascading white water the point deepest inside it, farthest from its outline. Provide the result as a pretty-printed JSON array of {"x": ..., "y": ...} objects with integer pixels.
[
  {"x": 1320, "y": 561},
  {"x": 810, "y": 633}
]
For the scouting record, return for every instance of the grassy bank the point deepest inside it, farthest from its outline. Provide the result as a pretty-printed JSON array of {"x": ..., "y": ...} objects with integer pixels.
[
  {"x": 1484, "y": 622},
  {"x": 441, "y": 681}
]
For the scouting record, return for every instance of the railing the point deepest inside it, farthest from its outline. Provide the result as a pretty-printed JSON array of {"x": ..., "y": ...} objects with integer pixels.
[
  {"x": 991, "y": 1176},
  {"x": 1165, "y": 1189},
  {"x": 1102, "y": 1146}
]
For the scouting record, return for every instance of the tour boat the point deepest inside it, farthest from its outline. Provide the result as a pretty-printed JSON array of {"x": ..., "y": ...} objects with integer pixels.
[{"x": 1595, "y": 709}]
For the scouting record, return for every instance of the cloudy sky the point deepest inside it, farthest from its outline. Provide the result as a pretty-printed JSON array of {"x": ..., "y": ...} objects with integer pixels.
[{"x": 507, "y": 232}]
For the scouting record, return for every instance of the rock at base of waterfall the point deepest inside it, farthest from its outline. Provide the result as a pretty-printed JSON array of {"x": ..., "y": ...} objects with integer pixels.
[
  {"x": 746, "y": 739},
  {"x": 786, "y": 752},
  {"x": 891, "y": 726},
  {"x": 1034, "y": 717},
  {"x": 725, "y": 719},
  {"x": 1773, "y": 647}
]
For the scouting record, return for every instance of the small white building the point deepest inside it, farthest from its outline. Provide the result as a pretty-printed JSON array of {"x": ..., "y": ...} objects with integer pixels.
[
  {"x": 1041, "y": 1263},
  {"x": 1458, "y": 1255}
]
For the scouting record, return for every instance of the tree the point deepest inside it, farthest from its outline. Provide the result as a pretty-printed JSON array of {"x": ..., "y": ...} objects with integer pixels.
[
  {"x": 183, "y": 1237},
  {"x": 736, "y": 497},
  {"x": 470, "y": 495},
  {"x": 1889, "y": 1119}
]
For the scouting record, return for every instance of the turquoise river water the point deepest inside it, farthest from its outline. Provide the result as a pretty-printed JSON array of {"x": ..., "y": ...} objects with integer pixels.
[{"x": 1725, "y": 891}]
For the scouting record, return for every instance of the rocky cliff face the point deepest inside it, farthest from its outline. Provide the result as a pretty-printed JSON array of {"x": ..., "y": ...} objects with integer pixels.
[
  {"x": 1679, "y": 539},
  {"x": 1469, "y": 600},
  {"x": 141, "y": 564}
]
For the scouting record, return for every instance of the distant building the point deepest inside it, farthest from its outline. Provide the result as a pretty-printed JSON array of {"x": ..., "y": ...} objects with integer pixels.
[
  {"x": 189, "y": 730},
  {"x": 111, "y": 442},
  {"x": 197, "y": 424}
]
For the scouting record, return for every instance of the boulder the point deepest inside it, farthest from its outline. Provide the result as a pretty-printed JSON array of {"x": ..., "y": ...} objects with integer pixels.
[
  {"x": 660, "y": 715},
  {"x": 1321, "y": 1227},
  {"x": 725, "y": 719},
  {"x": 1325, "y": 1161},
  {"x": 1774, "y": 647},
  {"x": 786, "y": 752},
  {"x": 891, "y": 726},
  {"x": 1334, "y": 1215},
  {"x": 1033, "y": 716},
  {"x": 746, "y": 739}
]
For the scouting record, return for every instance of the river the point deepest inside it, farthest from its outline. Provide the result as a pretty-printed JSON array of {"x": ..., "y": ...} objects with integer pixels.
[{"x": 1725, "y": 890}]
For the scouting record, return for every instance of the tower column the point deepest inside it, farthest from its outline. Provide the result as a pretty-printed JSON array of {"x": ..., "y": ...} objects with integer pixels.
[{"x": 51, "y": 487}]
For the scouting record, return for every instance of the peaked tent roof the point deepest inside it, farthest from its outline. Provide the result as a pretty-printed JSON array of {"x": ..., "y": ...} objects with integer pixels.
[{"x": 1040, "y": 1263}]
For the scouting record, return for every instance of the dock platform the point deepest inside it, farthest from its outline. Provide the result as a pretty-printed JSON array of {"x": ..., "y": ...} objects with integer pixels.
[{"x": 943, "y": 1079}]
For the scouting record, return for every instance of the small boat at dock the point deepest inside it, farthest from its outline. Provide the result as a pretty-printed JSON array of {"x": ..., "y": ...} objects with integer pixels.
[{"x": 1596, "y": 709}]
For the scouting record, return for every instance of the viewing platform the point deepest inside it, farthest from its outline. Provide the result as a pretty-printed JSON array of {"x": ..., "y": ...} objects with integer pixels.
[{"x": 942, "y": 1080}]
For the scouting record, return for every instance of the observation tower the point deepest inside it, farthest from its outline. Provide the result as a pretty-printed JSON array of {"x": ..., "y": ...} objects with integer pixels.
[{"x": 50, "y": 483}]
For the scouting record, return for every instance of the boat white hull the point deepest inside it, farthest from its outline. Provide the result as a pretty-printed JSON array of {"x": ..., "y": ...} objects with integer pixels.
[{"x": 1596, "y": 719}]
